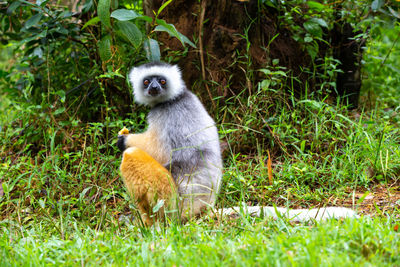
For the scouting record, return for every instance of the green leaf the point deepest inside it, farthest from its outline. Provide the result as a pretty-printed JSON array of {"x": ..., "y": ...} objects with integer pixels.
[
  {"x": 163, "y": 6},
  {"x": 320, "y": 22},
  {"x": 13, "y": 7},
  {"x": 130, "y": 32},
  {"x": 32, "y": 21},
  {"x": 171, "y": 30},
  {"x": 124, "y": 14},
  {"x": 394, "y": 13},
  {"x": 41, "y": 2},
  {"x": 146, "y": 18},
  {"x": 61, "y": 94},
  {"x": 105, "y": 48},
  {"x": 83, "y": 193},
  {"x": 315, "y": 5},
  {"x": 103, "y": 11},
  {"x": 62, "y": 30},
  {"x": 59, "y": 111},
  {"x": 265, "y": 84},
  {"x": 152, "y": 50},
  {"x": 91, "y": 22},
  {"x": 377, "y": 4},
  {"x": 157, "y": 207},
  {"x": 5, "y": 188},
  {"x": 308, "y": 39},
  {"x": 313, "y": 28},
  {"x": 312, "y": 51}
]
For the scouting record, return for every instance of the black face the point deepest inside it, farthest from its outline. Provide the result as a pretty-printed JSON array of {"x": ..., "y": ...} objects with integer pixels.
[{"x": 154, "y": 85}]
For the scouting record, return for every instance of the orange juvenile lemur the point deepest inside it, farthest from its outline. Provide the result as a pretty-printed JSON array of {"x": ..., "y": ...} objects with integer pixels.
[{"x": 181, "y": 143}]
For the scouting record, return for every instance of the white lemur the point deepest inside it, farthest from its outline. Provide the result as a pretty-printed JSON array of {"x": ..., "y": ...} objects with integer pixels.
[
  {"x": 182, "y": 141},
  {"x": 181, "y": 136}
]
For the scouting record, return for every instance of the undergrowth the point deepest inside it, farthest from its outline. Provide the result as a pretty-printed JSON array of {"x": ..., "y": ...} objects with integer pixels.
[{"x": 62, "y": 200}]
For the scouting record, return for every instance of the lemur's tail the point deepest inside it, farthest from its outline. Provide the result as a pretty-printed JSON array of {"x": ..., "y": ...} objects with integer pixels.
[{"x": 296, "y": 215}]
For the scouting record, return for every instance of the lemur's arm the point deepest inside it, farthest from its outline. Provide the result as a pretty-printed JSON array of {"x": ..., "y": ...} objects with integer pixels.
[{"x": 146, "y": 141}]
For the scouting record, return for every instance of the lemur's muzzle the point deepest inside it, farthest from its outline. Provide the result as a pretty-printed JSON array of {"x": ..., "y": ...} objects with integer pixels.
[{"x": 154, "y": 89}]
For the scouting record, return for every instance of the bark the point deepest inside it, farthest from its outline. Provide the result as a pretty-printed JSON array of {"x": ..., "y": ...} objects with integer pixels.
[
  {"x": 348, "y": 51},
  {"x": 223, "y": 55},
  {"x": 234, "y": 40}
]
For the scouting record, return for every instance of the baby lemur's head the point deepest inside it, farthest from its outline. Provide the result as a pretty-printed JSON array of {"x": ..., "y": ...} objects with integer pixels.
[{"x": 156, "y": 82}]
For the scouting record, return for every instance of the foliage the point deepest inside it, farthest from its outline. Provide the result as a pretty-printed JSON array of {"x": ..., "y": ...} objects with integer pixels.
[
  {"x": 74, "y": 63},
  {"x": 61, "y": 197},
  {"x": 310, "y": 21},
  {"x": 382, "y": 56}
]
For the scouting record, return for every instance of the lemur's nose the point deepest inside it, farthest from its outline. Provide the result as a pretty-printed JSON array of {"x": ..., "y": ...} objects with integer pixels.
[{"x": 153, "y": 90}]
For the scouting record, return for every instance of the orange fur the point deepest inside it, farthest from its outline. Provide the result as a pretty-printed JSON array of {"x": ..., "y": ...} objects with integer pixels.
[
  {"x": 149, "y": 142},
  {"x": 147, "y": 182}
]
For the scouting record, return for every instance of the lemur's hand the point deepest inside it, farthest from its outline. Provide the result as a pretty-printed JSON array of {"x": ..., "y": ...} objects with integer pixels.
[
  {"x": 123, "y": 131},
  {"x": 121, "y": 138}
]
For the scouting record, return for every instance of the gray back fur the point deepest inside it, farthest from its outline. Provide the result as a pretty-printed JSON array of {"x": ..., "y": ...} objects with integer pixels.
[{"x": 191, "y": 138}]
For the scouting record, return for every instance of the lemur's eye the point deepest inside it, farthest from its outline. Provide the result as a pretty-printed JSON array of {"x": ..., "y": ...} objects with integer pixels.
[
  {"x": 146, "y": 82},
  {"x": 163, "y": 81}
]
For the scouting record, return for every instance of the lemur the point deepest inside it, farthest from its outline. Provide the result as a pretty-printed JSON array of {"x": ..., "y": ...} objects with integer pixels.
[
  {"x": 181, "y": 137},
  {"x": 148, "y": 183},
  {"x": 182, "y": 142}
]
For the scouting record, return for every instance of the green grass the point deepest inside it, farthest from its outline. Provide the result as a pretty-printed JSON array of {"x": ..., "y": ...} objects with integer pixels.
[
  {"x": 62, "y": 200},
  {"x": 235, "y": 243},
  {"x": 327, "y": 151}
]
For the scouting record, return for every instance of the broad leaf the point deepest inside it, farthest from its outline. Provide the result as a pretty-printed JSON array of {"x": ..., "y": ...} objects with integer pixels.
[
  {"x": 152, "y": 50},
  {"x": 315, "y": 5},
  {"x": 146, "y": 18},
  {"x": 320, "y": 22},
  {"x": 312, "y": 51},
  {"x": 91, "y": 22},
  {"x": 377, "y": 4},
  {"x": 171, "y": 30},
  {"x": 313, "y": 28},
  {"x": 130, "y": 32},
  {"x": 12, "y": 7},
  {"x": 124, "y": 14},
  {"x": 103, "y": 11},
  {"x": 394, "y": 13},
  {"x": 59, "y": 111},
  {"x": 32, "y": 21},
  {"x": 105, "y": 48},
  {"x": 61, "y": 94}
]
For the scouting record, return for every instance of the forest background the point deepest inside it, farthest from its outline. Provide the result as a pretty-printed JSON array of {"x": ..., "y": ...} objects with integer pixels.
[{"x": 305, "y": 95}]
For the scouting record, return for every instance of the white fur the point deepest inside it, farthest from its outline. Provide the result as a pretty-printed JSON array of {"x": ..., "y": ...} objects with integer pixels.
[
  {"x": 175, "y": 84},
  {"x": 299, "y": 215}
]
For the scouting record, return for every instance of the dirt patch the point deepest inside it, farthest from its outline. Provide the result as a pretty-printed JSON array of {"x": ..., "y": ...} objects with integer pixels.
[{"x": 376, "y": 202}]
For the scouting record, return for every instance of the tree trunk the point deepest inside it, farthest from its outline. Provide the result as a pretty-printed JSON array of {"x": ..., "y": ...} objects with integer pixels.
[
  {"x": 224, "y": 31},
  {"x": 234, "y": 40},
  {"x": 348, "y": 51}
]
